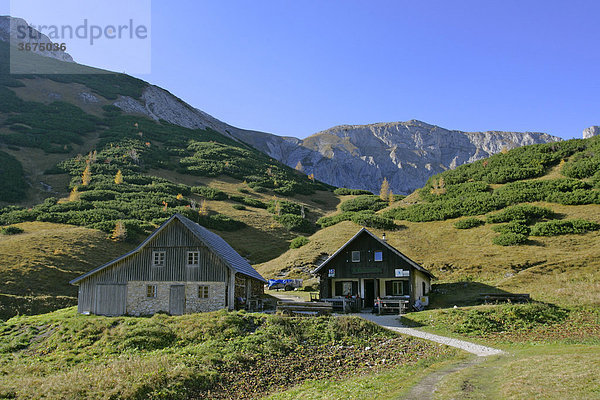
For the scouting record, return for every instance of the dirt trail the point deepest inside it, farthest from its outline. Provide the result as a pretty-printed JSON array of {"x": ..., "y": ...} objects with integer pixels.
[{"x": 425, "y": 389}]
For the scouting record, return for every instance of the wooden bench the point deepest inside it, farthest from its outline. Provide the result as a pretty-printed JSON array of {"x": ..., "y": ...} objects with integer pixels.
[
  {"x": 510, "y": 297},
  {"x": 344, "y": 304},
  {"x": 398, "y": 306},
  {"x": 309, "y": 308}
]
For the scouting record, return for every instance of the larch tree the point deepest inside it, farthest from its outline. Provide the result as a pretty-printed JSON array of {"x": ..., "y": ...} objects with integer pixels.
[
  {"x": 119, "y": 177},
  {"x": 86, "y": 177},
  {"x": 299, "y": 167},
  {"x": 120, "y": 232},
  {"x": 203, "y": 211},
  {"x": 384, "y": 192},
  {"x": 74, "y": 195}
]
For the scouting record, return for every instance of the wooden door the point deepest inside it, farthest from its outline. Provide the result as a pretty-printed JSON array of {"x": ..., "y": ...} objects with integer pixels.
[
  {"x": 177, "y": 300},
  {"x": 110, "y": 299},
  {"x": 369, "y": 292}
]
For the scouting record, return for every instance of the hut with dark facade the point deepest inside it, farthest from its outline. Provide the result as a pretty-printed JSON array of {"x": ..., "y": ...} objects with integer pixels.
[
  {"x": 369, "y": 267},
  {"x": 180, "y": 268}
]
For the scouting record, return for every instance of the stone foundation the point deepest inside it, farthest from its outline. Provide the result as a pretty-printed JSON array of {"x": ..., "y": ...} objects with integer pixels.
[{"x": 139, "y": 304}]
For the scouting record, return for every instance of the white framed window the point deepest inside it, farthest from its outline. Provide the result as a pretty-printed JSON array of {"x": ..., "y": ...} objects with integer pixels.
[
  {"x": 151, "y": 291},
  {"x": 397, "y": 288},
  {"x": 356, "y": 256},
  {"x": 378, "y": 255},
  {"x": 193, "y": 258},
  {"x": 203, "y": 291},
  {"x": 158, "y": 258}
]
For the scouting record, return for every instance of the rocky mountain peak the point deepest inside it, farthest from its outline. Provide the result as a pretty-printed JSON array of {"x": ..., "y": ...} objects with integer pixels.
[
  {"x": 591, "y": 131},
  {"x": 10, "y": 28}
]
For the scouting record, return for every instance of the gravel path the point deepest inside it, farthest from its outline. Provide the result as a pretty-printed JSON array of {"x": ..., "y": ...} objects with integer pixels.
[{"x": 392, "y": 322}]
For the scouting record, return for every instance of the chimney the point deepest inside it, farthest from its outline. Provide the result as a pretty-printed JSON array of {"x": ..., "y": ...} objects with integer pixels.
[{"x": 383, "y": 237}]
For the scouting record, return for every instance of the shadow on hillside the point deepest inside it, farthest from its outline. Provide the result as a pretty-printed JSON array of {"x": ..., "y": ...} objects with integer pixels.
[
  {"x": 468, "y": 293},
  {"x": 257, "y": 245}
]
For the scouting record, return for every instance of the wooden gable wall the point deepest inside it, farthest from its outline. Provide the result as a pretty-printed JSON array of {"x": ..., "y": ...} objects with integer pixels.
[{"x": 366, "y": 267}]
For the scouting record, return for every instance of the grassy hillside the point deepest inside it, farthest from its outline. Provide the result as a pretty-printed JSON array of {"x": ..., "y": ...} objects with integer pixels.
[
  {"x": 543, "y": 192},
  {"x": 219, "y": 355},
  {"x": 37, "y": 265}
]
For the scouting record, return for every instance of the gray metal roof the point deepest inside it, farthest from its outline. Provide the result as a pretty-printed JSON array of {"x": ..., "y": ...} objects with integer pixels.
[
  {"x": 384, "y": 243},
  {"x": 213, "y": 241}
]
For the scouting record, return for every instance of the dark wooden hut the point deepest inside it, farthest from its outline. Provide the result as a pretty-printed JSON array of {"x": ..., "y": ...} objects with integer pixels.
[
  {"x": 368, "y": 267},
  {"x": 180, "y": 268}
]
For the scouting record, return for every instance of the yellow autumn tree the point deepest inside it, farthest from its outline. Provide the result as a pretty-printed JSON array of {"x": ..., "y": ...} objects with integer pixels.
[
  {"x": 203, "y": 211},
  {"x": 86, "y": 177},
  {"x": 119, "y": 177},
  {"x": 300, "y": 167},
  {"x": 74, "y": 195},
  {"x": 179, "y": 196},
  {"x": 120, "y": 232},
  {"x": 384, "y": 192}
]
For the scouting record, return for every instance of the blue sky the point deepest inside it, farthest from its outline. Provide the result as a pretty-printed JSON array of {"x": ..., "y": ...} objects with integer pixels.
[{"x": 298, "y": 67}]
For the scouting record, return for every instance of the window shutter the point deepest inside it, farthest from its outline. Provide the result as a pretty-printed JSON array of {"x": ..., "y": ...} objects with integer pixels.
[{"x": 354, "y": 288}]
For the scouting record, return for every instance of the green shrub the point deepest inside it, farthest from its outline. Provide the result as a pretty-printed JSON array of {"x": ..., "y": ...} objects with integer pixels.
[
  {"x": 371, "y": 220},
  {"x": 509, "y": 239},
  {"x": 239, "y": 207},
  {"x": 285, "y": 207},
  {"x": 209, "y": 192},
  {"x": 563, "y": 227},
  {"x": 468, "y": 223},
  {"x": 364, "y": 202},
  {"x": 295, "y": 223},
  {"x": 298, "y": 242},
  {"x": 324, "y": 222},
  {"x": 576, "y": 197},
  {"x": 221, "y": 222},
  {"x": 355, "y": 192},
  {"x": 504, "y": 318},
  {"x": 249, "y": 201},
  {"x": 10, "y": 230},
  {"x": 519, "y": 227},
  {"x": 582, "y": 165},
  {"x": 521, "y": 212},
  {"x": 425, "y": 212}
]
